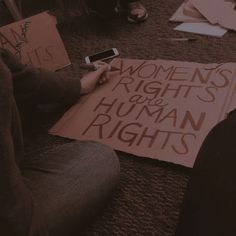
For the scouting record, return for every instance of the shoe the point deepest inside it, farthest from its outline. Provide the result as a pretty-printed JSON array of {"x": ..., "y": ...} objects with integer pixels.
[{"x": 136, "y": 12}]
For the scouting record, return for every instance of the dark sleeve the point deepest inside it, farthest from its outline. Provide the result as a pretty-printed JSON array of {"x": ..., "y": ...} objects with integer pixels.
[
  {"x": 18, "y": 215},
  {"x": 40, "y": 86}
]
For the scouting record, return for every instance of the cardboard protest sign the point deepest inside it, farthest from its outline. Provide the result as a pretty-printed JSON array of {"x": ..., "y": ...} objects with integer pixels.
[
  {"x": 186, "y": 13},
  {"x": 191, "y": 11},
  {"x": 159, "y": 109},
  {"x": 207, "y": 17},
  {"x": 35, "y": 40},
  {"x": 222, "y": 13}
]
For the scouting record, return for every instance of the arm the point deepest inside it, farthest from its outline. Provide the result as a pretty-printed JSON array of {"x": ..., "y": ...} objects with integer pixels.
[{"x": 35, "y": 85}]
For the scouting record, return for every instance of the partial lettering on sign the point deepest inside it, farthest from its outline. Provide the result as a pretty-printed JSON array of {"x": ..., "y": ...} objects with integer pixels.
[{"x": 36, "y": 41}]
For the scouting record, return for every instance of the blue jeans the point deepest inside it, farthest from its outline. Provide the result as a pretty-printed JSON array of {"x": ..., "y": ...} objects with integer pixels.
[
  {"x": 71, "y": 183},
  {"x": 58, "y": 191}
]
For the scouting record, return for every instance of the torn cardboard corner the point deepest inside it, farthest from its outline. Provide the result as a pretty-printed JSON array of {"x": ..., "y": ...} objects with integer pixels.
[
  {"x": 187, "y": 13},
  {"x": 222, "y": 13},
  {"x": 208, "y": 17},
  {"x": 36, "y": 41},
  {"x": 190, "y": 10},
  {"x": 213, "y": 11}
]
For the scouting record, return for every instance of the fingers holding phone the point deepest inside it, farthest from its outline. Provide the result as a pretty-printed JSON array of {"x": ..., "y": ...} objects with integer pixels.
[{"x": 90, "y": 80}]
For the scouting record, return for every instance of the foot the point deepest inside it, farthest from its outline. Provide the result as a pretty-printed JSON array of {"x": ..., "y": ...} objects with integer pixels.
[{"x": 136, "y": 12}]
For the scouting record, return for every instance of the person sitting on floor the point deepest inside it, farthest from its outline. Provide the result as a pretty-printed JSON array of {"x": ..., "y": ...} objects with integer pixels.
[
  {"x": 56, "y": 192},
  {"x": 209, "y": 205},
  {"x": 134, "y": 10}
]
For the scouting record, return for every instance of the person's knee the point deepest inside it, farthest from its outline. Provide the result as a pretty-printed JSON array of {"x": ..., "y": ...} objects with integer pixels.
[
  {"x": 95, "y": 158},
  {"x": 104, "y": 157},
  {"x": 95, "y": 170}
]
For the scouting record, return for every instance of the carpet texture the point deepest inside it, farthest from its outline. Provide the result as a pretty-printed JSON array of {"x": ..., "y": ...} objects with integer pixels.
[{"x": 149, "y": 196}]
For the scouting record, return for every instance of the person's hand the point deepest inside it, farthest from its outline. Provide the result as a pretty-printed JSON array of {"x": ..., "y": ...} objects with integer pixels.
[{"x": 92, "y": 79}]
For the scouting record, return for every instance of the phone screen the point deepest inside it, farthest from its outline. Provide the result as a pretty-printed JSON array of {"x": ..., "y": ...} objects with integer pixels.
[{"x": 101, "y": 55}]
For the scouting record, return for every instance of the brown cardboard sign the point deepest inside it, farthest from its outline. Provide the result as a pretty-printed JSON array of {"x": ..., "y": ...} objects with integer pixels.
[
  {"x": 159, "y": 109},
  {"x": 35, "y": 40},
  {"x": 207, "y": 17},
  {"x": 190, "y": 10},
  {"x": 187, "y": 13},
  {"x": 217, "y": 12}
]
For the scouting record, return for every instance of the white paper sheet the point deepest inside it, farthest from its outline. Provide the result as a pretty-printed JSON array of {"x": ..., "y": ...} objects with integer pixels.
[{"x": 202, "y": 28}]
